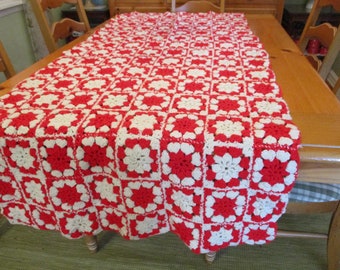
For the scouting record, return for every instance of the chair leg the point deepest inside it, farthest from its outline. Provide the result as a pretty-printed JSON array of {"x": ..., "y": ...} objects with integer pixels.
[
  {"x": 210, "y": 257},
  {"x": 91, "y": 243},
  {"x": 333, "y": 245}
]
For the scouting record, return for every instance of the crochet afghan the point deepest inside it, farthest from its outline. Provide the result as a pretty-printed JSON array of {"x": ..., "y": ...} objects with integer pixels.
[{"x": 155, "y": 123}]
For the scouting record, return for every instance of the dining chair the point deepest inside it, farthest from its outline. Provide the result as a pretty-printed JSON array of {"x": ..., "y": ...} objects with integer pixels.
[
  {"x": 328, "y": 61},
  {"x": 5, "y": 63},
  {"x": 316, "y": 198},
  {"x": 198, "y": 6},
  {"x": 323, "y": 197},
  {"x": 315, "y": 35},
  {"x": 62, "y": 29}
]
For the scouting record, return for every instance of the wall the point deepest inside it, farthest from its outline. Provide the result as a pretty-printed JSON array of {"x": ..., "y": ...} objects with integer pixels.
[{"x": 14, "y": 36}]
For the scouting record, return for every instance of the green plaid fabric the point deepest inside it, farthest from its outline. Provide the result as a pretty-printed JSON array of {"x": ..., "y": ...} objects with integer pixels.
[{"x": 314, "y": 192}]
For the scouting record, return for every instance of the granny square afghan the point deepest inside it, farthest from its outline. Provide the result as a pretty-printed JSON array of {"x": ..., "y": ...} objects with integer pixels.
[{"x": 155, "y": 123}]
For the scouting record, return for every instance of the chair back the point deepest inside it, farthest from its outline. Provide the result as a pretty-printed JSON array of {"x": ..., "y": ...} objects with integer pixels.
[
  {"x": 5, "y": 63},
  {"x": 198, "y": 6},
  {"x": 62, "y": 29},
  {"x": 328, "y": 61},
  {"x": 315, "y": 35}
]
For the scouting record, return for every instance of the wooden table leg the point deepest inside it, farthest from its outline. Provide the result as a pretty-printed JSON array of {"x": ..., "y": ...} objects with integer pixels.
[
  {"x": 333, "y": 245},
  {"x": 91, "y": 243},
  {"x": 210, "y": 257}
]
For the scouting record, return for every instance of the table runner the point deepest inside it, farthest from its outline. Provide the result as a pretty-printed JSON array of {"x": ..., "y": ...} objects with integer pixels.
[{"x": 156, "y": 123}]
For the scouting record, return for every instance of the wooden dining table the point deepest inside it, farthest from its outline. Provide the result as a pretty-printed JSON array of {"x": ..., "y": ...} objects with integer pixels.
[
  {"x": 315, "y": 109},
  {"x": 313, "y": 106}
]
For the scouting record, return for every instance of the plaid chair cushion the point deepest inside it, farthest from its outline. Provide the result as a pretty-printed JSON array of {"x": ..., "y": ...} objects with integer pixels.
[{"x": 314, "y": 192}]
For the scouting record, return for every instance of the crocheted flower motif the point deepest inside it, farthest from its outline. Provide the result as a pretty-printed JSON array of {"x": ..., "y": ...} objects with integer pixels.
[
  {"x": 184, "y": 202},
  {"x": 80, "y": 100},
  {"x": 259, "y": 234},
  {"x": 274, "y": 170},
  {"x": 15, "y": 100},
  {"x": 268, "y": 107},
  {"x": 189, "y": 232},
  {"x": 193, "y": 104},
  {"x": 228, "y": 129},
  {"x": 111, "y": 219},
  {"x": 230, "y": 105},
  {"x": 34, "y": 191},
  {"x": 69, "y": 195},
  {"x": 115, "y": 101},
  {"x": 23, "y": 122},
  {"x": 225, "y": 206},
  {"x": 193, "y": 86},
  {"x": 182, "y": 163},
  {"x": 149, "y": 224},
  {"x": 226, "y": 87},
  {"x": 18, "y": 214},
  {"x": 143, "y": 123},
  {"x": 46, "y": 101},
  {"x": 22, "y": 155},
  {"x": 260, "y": 75},
  {"x": 227, "y": 73},
  {"x": 92, "y": 84},
  {"x": 106, "y": 191},
  {"x": 197, "y": 61},
  {"x": 142, "y": 197},
  {"x": 58, "y": 159},
  {"x": 115, "y": 61},
  {"x": 170, "y": 61},
  {"x": 228, "y": 53},
  {"x": 125, "y": 84},
  {"x": 264, "y": 89},
  {"x": 136, "y": 72},
  {"x": 276, "y": 131},
  {"x": 256, "y": 62},
  {"x": 60, "y": 122},
  {"x": 176, "y": 52},
  {"x": 45, "y": 219},
  {"x": 264, "y": 207},
  {"x": 62, "y": 84},
  {"x": 78, "y": 71},
  {"x": 32, "y": 83},
  {"x": 159, "y": 85},
  {"x": 95, "y": 155},
  {"x": 254, "y": 53},
  {"x": 186, "y": 126},
  {"x": 165, "y": 72},
  {"x": 101, "y": 122},
  {"x": 77, "y": 225},
  {"x": 219, "y": 236},
  {"x": 9, "y": 190},
  {"x": 151, "y": 102},
  {"x": 232, "y": 63},
  {"x": 194, "y": 73},
  {"x": 91, "y": 61},
  {"x": 228, "y": 166},
  {"x": 137, "y": 158}
]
